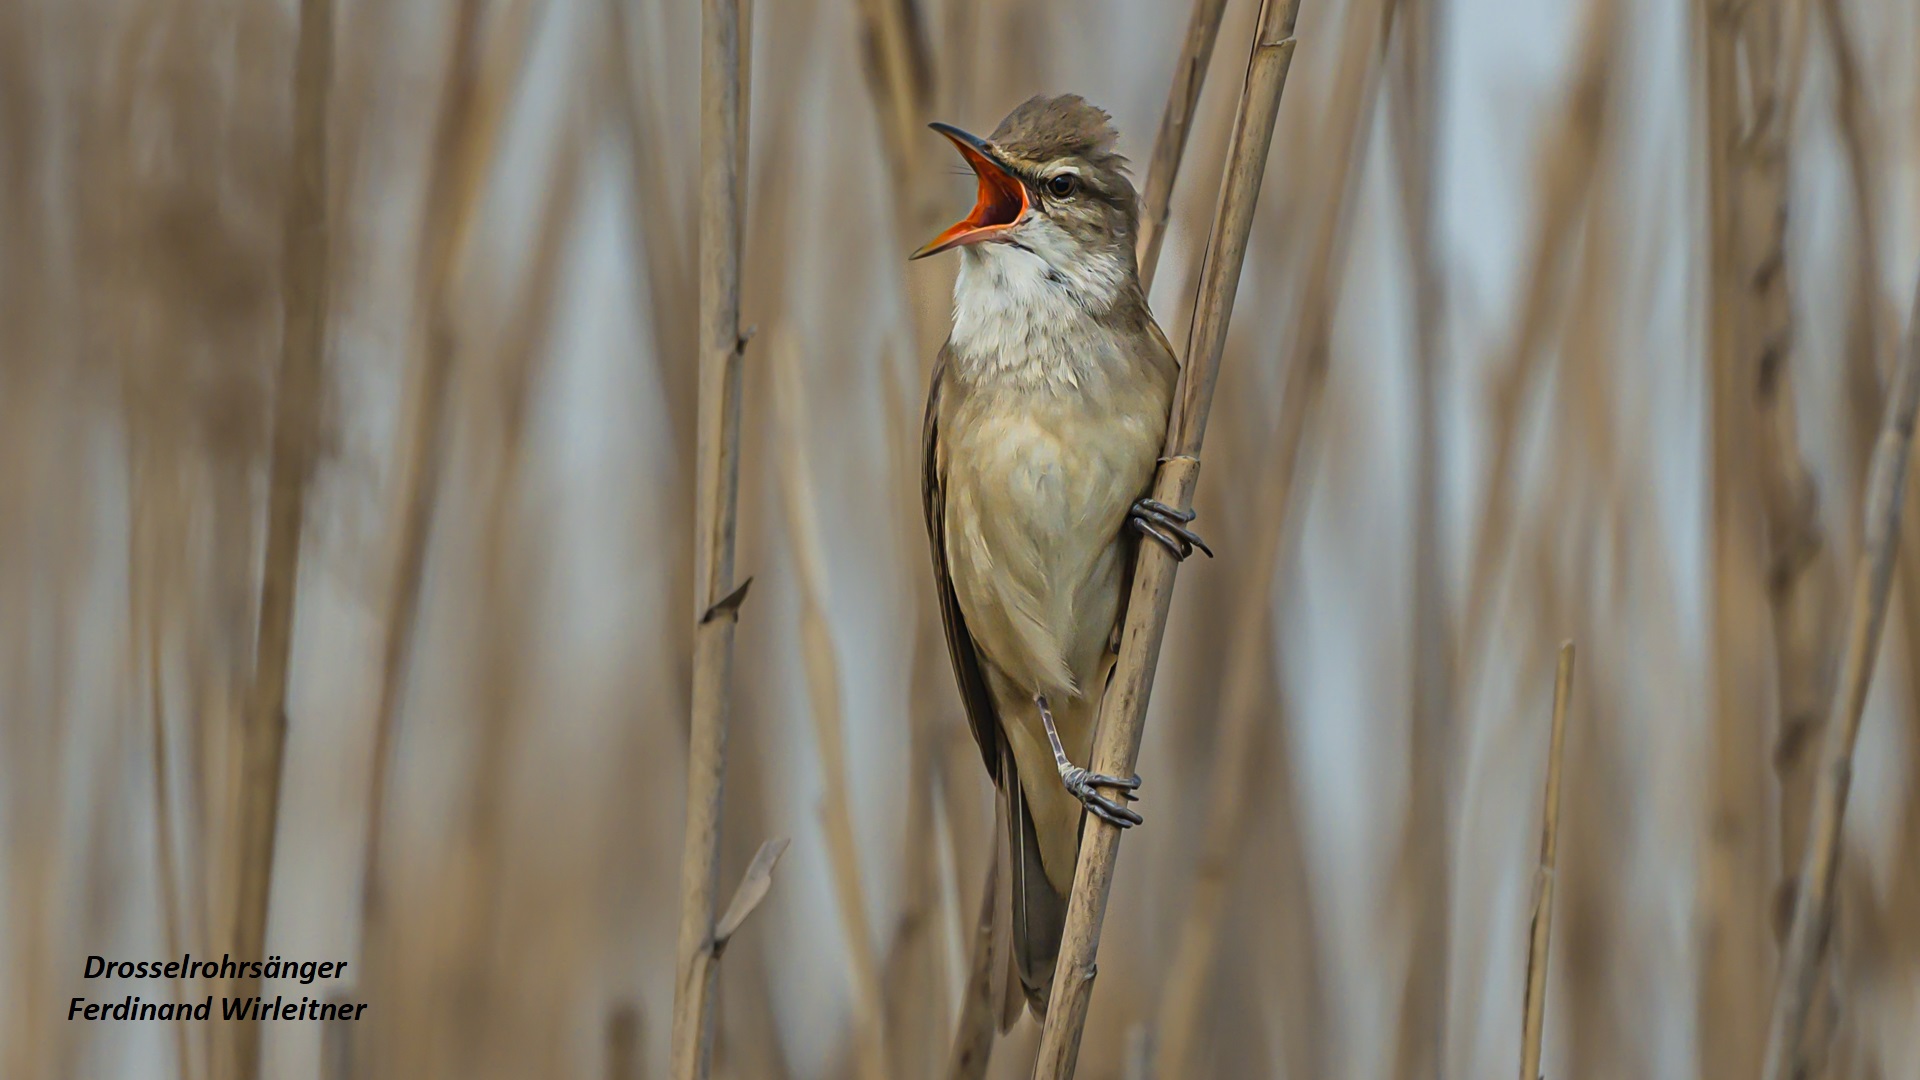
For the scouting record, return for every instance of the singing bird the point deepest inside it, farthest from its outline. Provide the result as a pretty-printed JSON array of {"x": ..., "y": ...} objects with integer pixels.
[{"x": 1045, "y": 420}]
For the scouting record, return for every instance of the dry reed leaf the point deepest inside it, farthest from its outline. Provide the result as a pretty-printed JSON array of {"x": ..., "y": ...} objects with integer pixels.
[{"x": 753, "y": 888}]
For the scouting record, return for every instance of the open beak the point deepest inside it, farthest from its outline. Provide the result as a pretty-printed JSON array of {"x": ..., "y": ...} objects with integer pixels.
[{"x": 999, "y": 204}]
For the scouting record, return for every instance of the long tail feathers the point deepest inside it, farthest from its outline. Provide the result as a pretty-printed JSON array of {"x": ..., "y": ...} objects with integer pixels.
[{"x": 1038, "y": 913}]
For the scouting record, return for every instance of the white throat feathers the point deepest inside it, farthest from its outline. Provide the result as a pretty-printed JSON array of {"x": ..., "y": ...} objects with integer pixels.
[{"x": 1029, "y": 311}]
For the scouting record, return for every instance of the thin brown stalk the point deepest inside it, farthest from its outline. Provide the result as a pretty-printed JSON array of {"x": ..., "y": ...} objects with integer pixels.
[
  {"x": 450, "y": 201},
  {"x": 626, "y": 1045},
  {"x": 900, "y": 77},
  {"x": 716, "y": 598},
  {"x": 1800, "y": 578},
  {"x": 1869, "y": 325},
  {"x": 669, "y": 298},
  {"x": 917, "y": 987},
  {"x": 1176, "y": 123},
  {"x": 1798, "y": 559},
  {"x": 1123, "y": 707},
  {"x": 1564, "y": 170},
  {"x": 1596, "y": 915},
  {"x": 1735, "y": 943},
  {"x": 336, "y": 1048},
  {"x": 304, "y": 284},
  {"x": 1794, "y": 995},
  {"x": 1183, "y": 992},
  {"x": 1534, "y": 1019},
  {"x": 1875, "y": 919},
  {"x": 829, "y": 730},
  {"x": 1425, "y": 872},
  {"x": 974, "y": 1031},
  {"x": 503, "y": 404},
  {"x": 146, "y": 641},
  {"x": 900, "y": 80},
  {"x": 1183, "y": 998},
  {"x": 164, "y": 855}
]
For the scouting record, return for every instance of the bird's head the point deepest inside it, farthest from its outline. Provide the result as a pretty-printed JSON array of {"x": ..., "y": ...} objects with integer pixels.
[{"x": 1050, "y": 183}]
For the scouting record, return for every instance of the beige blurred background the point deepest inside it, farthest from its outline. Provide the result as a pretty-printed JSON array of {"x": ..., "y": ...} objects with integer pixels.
[{"x": 1528, "y": 429}]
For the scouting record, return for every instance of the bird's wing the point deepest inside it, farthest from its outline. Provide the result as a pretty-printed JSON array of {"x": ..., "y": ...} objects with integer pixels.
[
  {"x": 982, "y": 716},
  {"x": 1027, "y": 900},
  {"x": 1166, "y": 346}
]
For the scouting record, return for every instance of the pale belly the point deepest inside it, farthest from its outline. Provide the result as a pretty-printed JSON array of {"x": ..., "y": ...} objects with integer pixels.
[{"x": 1036, "y": 508}]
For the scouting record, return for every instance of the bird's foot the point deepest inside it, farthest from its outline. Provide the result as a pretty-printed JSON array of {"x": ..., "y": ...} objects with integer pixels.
[
  {"x": 1083, "y": 785},
  {"x": 1167, "y": 527}
]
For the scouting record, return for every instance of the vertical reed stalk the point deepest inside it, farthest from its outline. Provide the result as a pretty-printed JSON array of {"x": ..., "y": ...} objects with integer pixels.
[
  {"x": 1800, "y": 578},
  {"x": 304, "y": 284},
  {"x": 1344, "y": 139},
  {"x": 1176, "y": 123},
  {"x": 716, "y": 598},
  {"x": 986, "y": 983},
  {"x": 1427, "y": 833},
  {"x": 1533, "y": 1020},
  {"x": 626, "y": 1042},
  {"x": 829, "y": 728},
  {"x": 1735, "y": 942},
  {"x": 147, "y": 642},
  {"x": 1564, "y": 170},
  {"x": 1793, "y": 999},
  {"x": 1123, "y": 707},
  {"x": 452, "y": 192}
]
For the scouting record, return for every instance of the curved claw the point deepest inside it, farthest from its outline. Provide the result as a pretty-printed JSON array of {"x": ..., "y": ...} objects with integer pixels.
[
  {"x": 1081, "y": 783},
  {"x": 1158, "y": 507},
  {"x": 1168, "y": 527}
]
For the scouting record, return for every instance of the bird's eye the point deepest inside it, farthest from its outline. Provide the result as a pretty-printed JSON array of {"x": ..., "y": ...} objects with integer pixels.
[{"x": 1062, "y": 186}]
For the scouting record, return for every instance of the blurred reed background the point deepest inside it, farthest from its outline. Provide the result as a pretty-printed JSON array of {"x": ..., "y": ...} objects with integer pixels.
[{"x": 366, "y": 375}]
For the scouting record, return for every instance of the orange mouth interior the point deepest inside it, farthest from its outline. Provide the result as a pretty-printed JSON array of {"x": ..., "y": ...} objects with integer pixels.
[{"x": 998, "y": 203}]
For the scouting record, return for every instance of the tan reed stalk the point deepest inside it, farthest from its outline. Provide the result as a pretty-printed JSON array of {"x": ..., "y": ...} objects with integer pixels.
[
  {"x": 1424, "y": 863},
  {"x": 626, "y": 1042},
  {"x": 336, "y": 1049},
  {"x": 1564, "y": 169},
  {"x": 1345, "y": 139},
  {"x": 1867, "y": 334},
  {"x": 1184, "y": 991},
  {"x": 164, "y": 855},
  {"x": 1533, "y": 1020},
  {"x": 450, "y": 201},
  {"x": 1870, "y": 327},
  {"x": 1176, "y": 123},
  {"x": 1594, "y": 916},
  {"x": 917, "y": 987},
  {"x": 1801, "y": 580},
  {"x": 305, "y": 275},
  {"x": 1866, "y": 613},
  {"x": 146, "y": 641},
  {"x": 716, "y": 598},
  {"x": 480, "y": 79},
  {"x": 914, "y": 974},
  {"x": 1735, "y": 944},
  {"x": 502, "y": 402},
  {"x": 671, "y": 281},
  {"x": 1797, "y": 581},
  {"x": 977, "y": 1025},
  {"x": 900, "y": 80},
  {"x": 829, "y": 729},
  {"x": 1124, "y": 705},
  {"x": 900, "y": 77}
]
